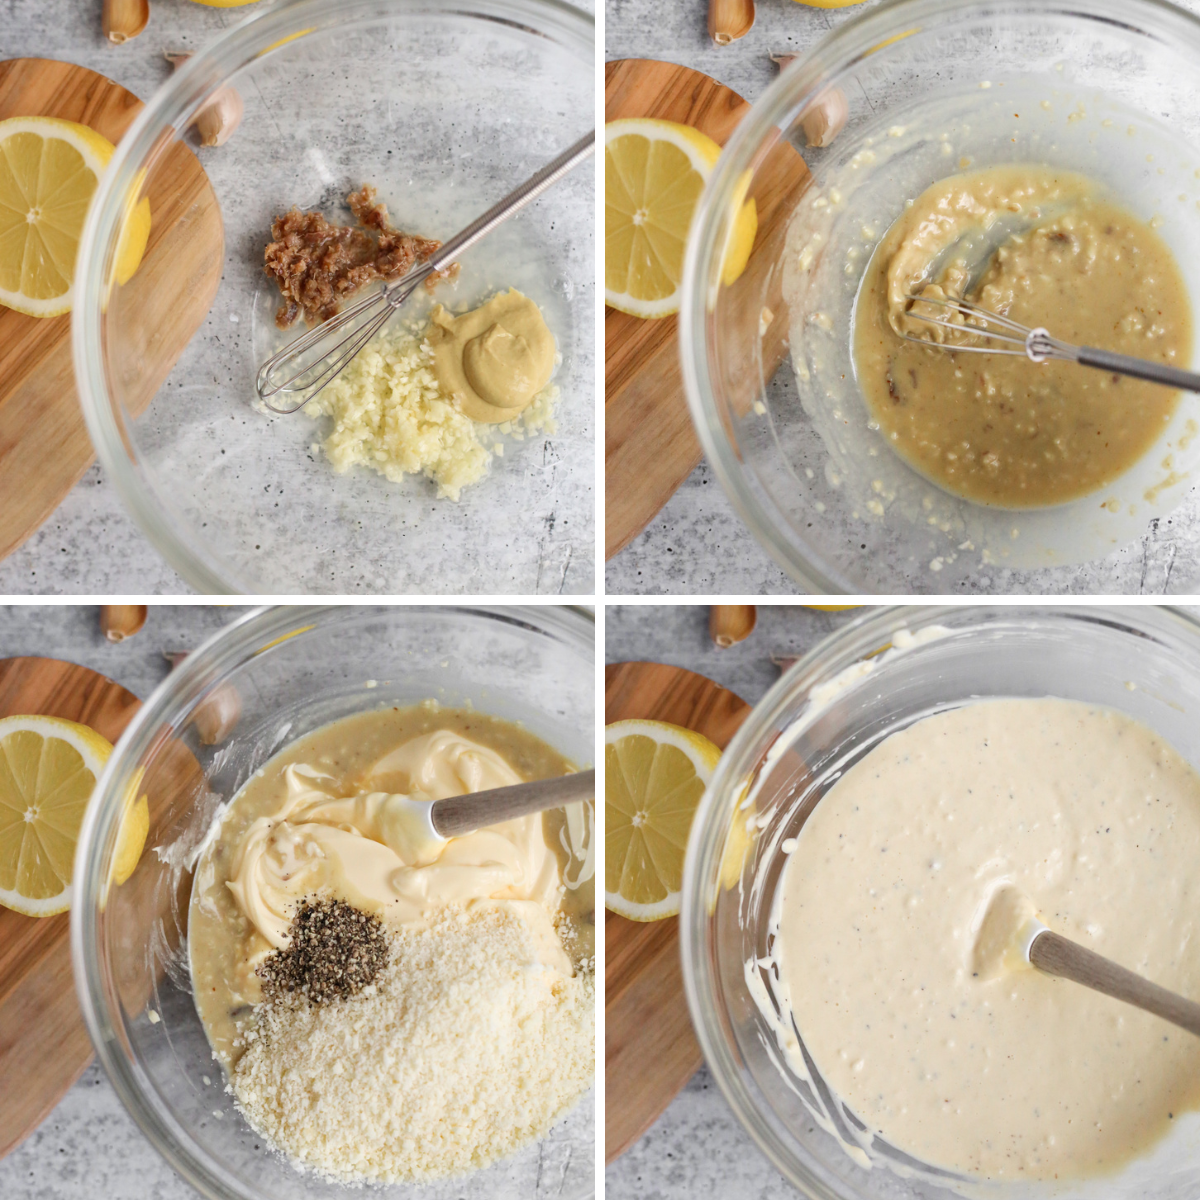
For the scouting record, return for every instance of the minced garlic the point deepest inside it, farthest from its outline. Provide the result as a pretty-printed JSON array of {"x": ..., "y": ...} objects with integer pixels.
[{"x": 389, "y": 414}]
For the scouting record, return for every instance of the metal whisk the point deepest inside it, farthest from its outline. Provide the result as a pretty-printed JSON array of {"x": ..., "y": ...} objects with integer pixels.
[
  {"x": 298, "y": 373},
  {"x": 1038, "y": 345}
]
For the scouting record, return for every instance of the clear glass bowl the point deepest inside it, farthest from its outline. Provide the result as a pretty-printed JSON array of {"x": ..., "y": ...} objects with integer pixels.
[
  {"x": 445, "y": 109},
  {"x": 826, "y": 712},
  {"x": 931, "y": 86},
  {"x": 294, "y": 668}
]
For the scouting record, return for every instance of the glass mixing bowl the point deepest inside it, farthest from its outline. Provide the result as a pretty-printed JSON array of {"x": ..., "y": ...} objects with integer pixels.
[
  {"x": 863, "y": 683},
  {"x": 290, "y": 670},
  {"x": 444, "y": 109},
  {"x": 930, "y": 87}
]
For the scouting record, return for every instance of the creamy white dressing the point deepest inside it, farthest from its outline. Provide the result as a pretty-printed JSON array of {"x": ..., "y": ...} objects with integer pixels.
[{"x": 999, "y": 1072}]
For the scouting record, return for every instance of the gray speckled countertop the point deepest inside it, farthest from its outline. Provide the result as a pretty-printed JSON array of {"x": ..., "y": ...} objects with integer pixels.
[
  {"x": 697, "y": 544},
  {"x": 91, "y": 546},
  {"x": 89, "y": 1148},
  {"x": 697, "y": 1148}
]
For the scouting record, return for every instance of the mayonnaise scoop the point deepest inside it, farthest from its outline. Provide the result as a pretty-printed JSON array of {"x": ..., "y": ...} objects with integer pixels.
[{"x": 378, "y": 849}]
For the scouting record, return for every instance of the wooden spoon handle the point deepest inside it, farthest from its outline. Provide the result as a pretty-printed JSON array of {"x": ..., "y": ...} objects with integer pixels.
[
  {"x": 1059, "y": 956},
  {"x": 458, "y": 815}
]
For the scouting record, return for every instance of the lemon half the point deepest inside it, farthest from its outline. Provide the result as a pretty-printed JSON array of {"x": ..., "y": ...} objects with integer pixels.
[
  {"x": 654, "y": 173},
  {"x": 48, "y": 772},
  {"x": 654, "y": 776},
  {"x": 49, "y": 169}
]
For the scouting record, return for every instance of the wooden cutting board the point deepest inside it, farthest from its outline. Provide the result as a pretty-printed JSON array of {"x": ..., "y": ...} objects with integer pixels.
[
  {"x": 44, "y": 444},
  {"x": 44, "y": 1047},
  {"x": 650, "y": 1051},
  {"x": 650, "y": 447}
]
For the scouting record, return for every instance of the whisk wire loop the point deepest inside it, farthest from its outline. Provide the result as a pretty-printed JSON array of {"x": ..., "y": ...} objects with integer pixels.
[{"x": 1038, "y": 345}]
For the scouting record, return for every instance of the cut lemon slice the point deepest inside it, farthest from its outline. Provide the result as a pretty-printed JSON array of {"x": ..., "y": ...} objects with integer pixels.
[
  {"x": 49, "y": 170},
  {"x": 654, "y": 172},
  {"x": 654, "y": 776},
  {"x": 738, "y": 844},
  {"x": 48, "y": 770}
]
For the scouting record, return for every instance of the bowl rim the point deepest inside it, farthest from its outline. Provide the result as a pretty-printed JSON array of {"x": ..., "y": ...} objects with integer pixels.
[
  {"x": 254, "y": 632},
  {"x": 168, "y": 113},
  {"x": 775, "y": 111}
]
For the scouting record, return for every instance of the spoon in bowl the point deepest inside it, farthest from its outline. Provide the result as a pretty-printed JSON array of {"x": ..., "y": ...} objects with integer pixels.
[
  {"x": 1011, "y": 936},
  {"x": 418, "y": 828}
]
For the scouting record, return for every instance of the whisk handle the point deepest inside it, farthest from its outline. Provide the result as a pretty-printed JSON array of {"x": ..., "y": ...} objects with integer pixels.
[
  {"x": 1139, "y": 368},
  {"x": 533, "y": 187}
]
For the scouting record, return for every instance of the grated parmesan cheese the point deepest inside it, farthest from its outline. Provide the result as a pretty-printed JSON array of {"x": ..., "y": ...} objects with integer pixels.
[{"x": 465, "y": 1049}]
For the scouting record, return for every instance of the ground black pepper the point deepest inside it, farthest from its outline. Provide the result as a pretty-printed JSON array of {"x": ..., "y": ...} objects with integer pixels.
[{"x": 334, "y": 951}]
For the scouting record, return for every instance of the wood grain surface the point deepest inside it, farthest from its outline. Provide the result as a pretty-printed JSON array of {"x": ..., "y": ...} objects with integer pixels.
[
  {"x": 650, "y": 446},
  {"x": 43, "y": 1043},
  {"x": 44, "y": 444},
  {"x": 650, "y": 1051}
]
